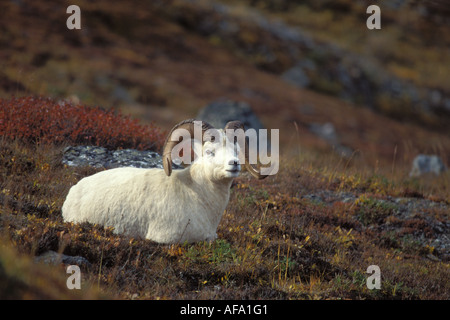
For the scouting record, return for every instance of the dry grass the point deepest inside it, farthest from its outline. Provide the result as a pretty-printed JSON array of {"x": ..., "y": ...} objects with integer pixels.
[{"x": 273, "y": 242}]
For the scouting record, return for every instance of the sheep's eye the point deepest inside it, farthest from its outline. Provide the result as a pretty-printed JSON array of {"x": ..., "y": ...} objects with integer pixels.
[{"x": 209, "y": 152}]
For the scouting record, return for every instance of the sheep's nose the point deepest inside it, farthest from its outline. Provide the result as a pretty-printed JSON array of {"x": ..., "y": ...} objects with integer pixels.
[{"x": 233, "y": 162}]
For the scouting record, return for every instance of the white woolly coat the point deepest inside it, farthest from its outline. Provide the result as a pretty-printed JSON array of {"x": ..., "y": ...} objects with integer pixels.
[{"x": 148, "y": 203}]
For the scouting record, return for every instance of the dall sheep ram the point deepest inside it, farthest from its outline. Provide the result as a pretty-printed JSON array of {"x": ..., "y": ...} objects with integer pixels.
[{"x": 161, "y": 205}]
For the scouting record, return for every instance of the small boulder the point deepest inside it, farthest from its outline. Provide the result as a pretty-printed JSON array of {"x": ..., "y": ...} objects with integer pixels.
[
  {"x": 328, "y": 132},
  {"x": 54, "y": 258},
  {"x": 296, "y": 76},
  {"x": 99, "y": 157},
  {"x": 423, "y": 164},
  {"x": 219, "y": 112}
]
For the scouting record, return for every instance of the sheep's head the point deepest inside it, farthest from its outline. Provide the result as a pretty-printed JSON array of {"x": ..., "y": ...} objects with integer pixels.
[{"x": 217, "y": 150}]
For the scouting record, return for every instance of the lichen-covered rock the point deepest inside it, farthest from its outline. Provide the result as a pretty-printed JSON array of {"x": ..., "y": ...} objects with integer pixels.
[
  {"x": 54, "y": 258},
  {"x": 99, "y": 157}
]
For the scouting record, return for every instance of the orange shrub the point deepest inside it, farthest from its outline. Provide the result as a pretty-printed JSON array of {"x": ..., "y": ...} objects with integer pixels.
[{"x": 43, "y": 120}]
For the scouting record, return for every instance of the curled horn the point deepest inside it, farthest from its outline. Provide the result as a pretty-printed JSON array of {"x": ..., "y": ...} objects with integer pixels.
[
  {"x": 253, "y": 171},
  {"x": 169, "y": 144}
]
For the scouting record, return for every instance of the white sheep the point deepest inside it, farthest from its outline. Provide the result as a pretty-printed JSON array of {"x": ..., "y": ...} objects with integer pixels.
[{"x": 161, "y": 205}]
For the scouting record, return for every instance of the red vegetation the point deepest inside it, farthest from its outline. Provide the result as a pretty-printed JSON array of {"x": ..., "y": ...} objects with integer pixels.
[{"x": 43, "y": 120}]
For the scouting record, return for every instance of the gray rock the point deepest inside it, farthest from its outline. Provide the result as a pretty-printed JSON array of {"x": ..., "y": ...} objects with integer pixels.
[
  {"x": 423, "y": 164},
  {"x": 54, "y": 258},
  {"x": 219, "y": 112},
  {"x": 296, "y": 76},
  {"x": 327, "y": 132},
  {"x": 99, "y": 157}
]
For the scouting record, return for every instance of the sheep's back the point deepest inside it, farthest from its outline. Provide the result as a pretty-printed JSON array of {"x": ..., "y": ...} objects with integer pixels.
[
  {"x": 149, "y": 204},
  {"x": 120, "y": 198}
]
